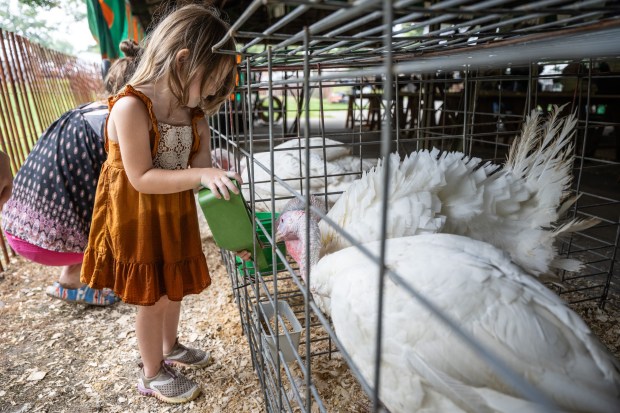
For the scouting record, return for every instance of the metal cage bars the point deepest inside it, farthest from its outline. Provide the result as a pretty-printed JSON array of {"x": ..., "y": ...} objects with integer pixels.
[{"x": 389, "y": 63}]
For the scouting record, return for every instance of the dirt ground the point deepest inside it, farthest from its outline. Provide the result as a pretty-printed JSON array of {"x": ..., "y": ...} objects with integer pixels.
[{"x": 58, "y": 357}]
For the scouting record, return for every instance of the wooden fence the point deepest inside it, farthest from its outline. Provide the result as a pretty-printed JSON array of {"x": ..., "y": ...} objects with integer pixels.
[{"x": 37, "y": 85}]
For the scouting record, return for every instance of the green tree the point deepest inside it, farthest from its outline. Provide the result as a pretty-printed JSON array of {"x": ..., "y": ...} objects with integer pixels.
[
  {"x": 28, "y": 18},
  {"x": 41, "y": 3}
]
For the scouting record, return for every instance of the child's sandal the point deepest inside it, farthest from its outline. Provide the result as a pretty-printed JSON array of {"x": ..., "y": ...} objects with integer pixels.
[
  {"x": 82, "y": 295},
  {"x": 181, "y": 355}
]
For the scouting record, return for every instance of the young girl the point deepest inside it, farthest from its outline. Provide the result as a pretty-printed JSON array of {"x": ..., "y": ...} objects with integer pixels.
[{"x": 144, "y": 241}]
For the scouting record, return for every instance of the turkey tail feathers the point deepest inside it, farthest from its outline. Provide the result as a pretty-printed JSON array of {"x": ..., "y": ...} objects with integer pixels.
[
  {"x": 515, "y": 208},
  {"x": 543, "y": 157},
  {"x": 576, "y": 225}
]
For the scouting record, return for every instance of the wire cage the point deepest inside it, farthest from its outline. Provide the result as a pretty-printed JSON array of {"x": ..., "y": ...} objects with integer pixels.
[{"x": 362, "y": 79}]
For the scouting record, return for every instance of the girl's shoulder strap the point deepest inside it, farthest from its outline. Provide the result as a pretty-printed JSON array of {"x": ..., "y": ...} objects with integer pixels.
[
  {"x": 129, "y": 90},
  {"x": 197, "y": 114}
]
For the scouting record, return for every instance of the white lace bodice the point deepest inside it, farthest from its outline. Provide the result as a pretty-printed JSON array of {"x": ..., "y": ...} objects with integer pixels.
[{"x": 175, "y": 145}]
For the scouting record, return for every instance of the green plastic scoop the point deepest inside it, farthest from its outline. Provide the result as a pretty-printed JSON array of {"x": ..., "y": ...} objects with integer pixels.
[{"x": 231, "y": 223}]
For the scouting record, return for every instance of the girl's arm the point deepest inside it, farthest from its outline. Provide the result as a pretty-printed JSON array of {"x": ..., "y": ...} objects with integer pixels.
[{"x": 129, "y": 126}]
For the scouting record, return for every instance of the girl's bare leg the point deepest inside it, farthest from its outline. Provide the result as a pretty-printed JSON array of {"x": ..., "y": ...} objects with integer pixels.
[
  {"x": 70, "y": 276},
  {"x": 149, "y": 331},
  {"x": 171, "y": 325}
]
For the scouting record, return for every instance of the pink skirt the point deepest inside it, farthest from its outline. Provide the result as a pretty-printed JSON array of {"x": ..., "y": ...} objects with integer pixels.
[{"x": 41, "y": 255}]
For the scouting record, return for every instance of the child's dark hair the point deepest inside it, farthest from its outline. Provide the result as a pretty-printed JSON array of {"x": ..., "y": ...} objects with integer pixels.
[
  {"x": 122, "y": 69},
  {"x": 196, "y": 28}
]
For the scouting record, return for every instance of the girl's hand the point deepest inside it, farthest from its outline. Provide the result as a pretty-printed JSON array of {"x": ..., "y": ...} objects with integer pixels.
[
  {"x": 244, "y": 255},
  {"x": 219, "y": 182}
]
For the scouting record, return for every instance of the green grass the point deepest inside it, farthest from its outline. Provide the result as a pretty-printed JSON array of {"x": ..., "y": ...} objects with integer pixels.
[{"x": 315, "y": 107}]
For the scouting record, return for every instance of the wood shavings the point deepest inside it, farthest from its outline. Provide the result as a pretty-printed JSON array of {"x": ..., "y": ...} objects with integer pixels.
[
  {"x": 66, "y": 358},
  {"x": 36, "y": 376}
]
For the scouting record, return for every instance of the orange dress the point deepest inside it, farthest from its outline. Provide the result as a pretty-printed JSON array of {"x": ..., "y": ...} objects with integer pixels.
[{"x": 145, "y": 246}]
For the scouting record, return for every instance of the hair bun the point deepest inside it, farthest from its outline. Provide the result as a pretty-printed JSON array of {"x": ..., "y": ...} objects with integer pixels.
[{"x": 129, "y": 48}]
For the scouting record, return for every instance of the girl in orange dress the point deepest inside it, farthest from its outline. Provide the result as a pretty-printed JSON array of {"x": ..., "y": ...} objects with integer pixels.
[{"x": 144, "y": 241}]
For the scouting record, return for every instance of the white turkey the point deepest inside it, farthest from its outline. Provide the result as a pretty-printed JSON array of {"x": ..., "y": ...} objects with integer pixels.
[
  {"x": 332, "y": 169},
  {"x": 427, "y": 368},
  {"x": 514, "y": 207},
  {"x": 424, "y": 368}
]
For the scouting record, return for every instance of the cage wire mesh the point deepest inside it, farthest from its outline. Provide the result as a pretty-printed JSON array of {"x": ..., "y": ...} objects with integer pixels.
[{"x": 350, "y": 82}]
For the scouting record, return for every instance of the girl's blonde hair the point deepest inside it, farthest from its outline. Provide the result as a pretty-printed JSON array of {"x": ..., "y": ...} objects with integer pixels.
[{"x": 196, "y": 28}]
